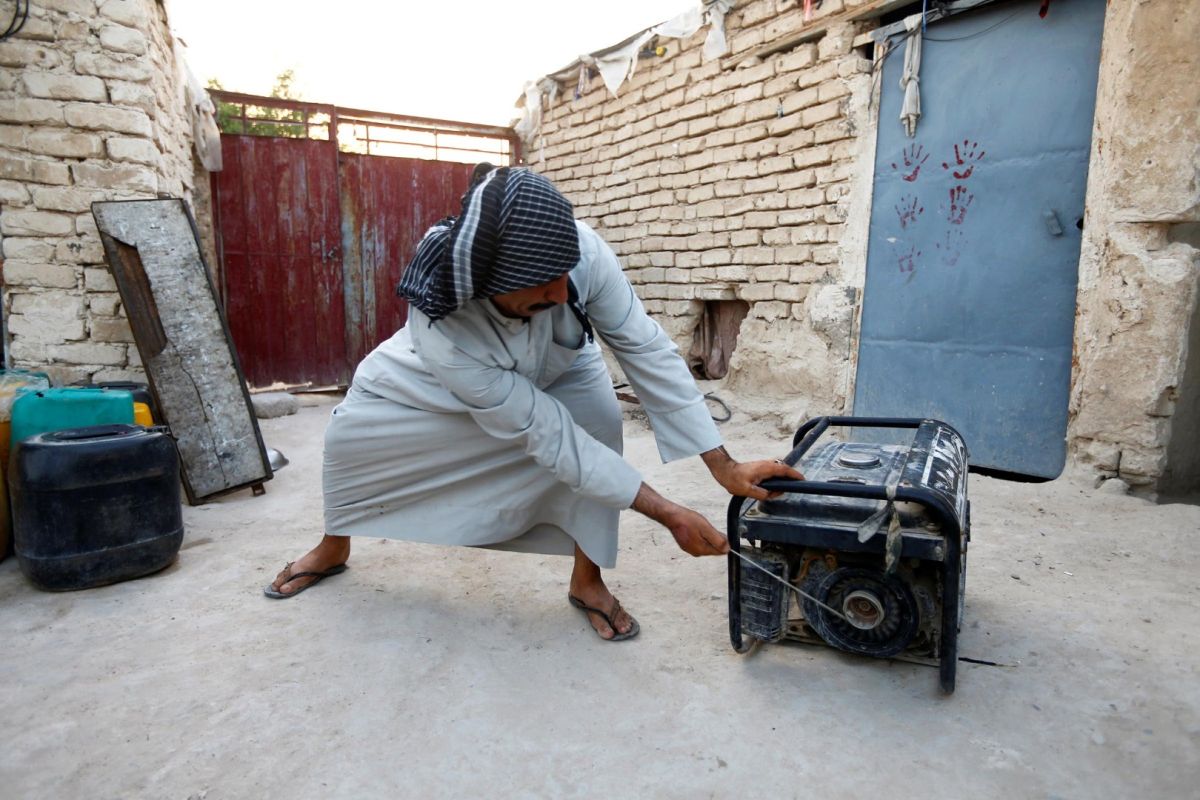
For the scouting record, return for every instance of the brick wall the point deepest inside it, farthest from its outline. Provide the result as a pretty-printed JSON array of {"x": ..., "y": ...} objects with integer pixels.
[
  {"x": 733, "y": 179},
  {"x": 750, "y": 178},
  {"x": 91, "y": 108}
]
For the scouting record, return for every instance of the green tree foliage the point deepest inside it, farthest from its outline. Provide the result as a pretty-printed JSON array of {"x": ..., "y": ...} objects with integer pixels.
[{"x": 263, "y": 120}]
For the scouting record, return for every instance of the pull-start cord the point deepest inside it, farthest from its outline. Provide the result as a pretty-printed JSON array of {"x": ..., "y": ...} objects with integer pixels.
[{"x": 746, "y": 559}]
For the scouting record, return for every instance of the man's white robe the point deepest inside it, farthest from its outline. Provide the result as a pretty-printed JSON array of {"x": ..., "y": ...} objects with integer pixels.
[{"x": 485, "y": 430}]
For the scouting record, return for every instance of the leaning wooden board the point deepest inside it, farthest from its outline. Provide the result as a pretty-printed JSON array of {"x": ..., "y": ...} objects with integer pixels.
[{"x": 153, "y": 252}]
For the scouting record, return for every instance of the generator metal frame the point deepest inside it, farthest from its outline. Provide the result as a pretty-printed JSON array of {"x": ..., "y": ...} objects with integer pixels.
[{"x": 941, "y": 508}]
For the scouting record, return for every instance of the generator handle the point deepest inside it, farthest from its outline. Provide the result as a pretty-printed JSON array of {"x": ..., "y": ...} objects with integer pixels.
[{"x": 812, "y": 430}]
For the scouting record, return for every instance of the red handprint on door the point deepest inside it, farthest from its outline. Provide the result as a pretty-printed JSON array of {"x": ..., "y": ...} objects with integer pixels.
[
  {"x": 959, "y": 201},
  {"x": 908, "y": 209},
  {"x": 911, "y": 157},
  {"x": 965, "y": 159}
]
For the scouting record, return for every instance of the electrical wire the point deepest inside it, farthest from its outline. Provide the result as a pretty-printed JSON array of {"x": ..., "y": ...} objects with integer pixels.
[
  {"x": 988, "y": 29},
  {"x": 19, "y": 17}
]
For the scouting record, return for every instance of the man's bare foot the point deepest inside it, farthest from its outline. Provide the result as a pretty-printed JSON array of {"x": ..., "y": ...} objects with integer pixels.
[
  {"x": 587, "y": 586},
  {"x": 332, "y": 551}
]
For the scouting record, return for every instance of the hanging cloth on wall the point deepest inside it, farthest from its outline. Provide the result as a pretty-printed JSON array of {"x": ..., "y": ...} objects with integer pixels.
[
  {"x": 715, "y": 45},
  {"x": 202, "y": 114},
  {"x": 910, "y": 78}
]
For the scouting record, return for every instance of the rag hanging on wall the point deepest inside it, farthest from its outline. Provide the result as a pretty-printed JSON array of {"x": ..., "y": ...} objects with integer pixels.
[{"x": 910, "y": 78}]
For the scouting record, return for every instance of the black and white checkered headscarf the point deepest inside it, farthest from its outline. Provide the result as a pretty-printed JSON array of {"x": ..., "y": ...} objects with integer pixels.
[{"x": 515, "y": 231}]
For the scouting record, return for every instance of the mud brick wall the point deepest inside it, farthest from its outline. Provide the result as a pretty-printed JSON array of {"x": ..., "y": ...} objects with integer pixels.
[
  {"x": 91, "y": 108},
  {"x": 733, "y": 179}
]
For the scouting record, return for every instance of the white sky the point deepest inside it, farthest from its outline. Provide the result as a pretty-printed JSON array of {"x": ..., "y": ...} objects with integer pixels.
[{"x": 465, "y": 60}]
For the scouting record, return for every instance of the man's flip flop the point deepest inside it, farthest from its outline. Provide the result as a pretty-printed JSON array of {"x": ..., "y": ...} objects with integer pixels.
[
  {"x": 320, "y": 576},
  {"x": 608, "y": 618}
]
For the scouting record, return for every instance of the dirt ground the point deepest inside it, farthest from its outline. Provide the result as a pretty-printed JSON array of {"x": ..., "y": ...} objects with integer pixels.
[{"x": 438, "y": 672}]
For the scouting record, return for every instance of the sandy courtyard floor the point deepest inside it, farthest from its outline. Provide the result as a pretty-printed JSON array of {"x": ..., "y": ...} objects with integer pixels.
[{"x": 434, "y": 672}]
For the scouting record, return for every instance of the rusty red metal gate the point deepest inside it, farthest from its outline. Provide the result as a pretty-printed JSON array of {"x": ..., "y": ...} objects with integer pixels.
[
  {"x": 387, "y": 205},
  {"x": 313, "y": 230}
]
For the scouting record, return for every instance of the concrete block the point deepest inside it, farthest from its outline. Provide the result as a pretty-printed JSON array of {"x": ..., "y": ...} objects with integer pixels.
[
  {"x": 753, "y": 292},
  {"x": 820, "y": 113},
  {"x": 764, "y": 109},
  {"x": 52, "y": 308},
  {"x": 783, "y": 125},
  {"x": 99, "y": 280},
  {"x": 791, "y": 293},
  {"x": 132, "y": 372},
  {"x": 803, "y": 56},
  {"x": 33, "y": 170},
  {"x": 795, "y": 254},
  {"x": 85, "y": 226},
  {"x": 123, "y": 39},
  {"x": 776, "y": 237},
  {"x": 114, "y": 329},
  {"x": 662, "y": 259},
  {"x": 797, "y": 216},
  {"x": 770, "y": 273},
  {"x": 140, "y": 151},
  {"x": 825, "y": 254},
  {"x": 711, "y": 258},
  {"x": 734, "y": 273},
  {"x": 798, "y": 101},
  {"x": 27, "y": 353},
  {"x": 121, "y": 176},
  {"x": 269, "y": 405},
  {"x": 715, "y": 292},
  {"x": 757, "y": 185},
  {"x": 49, "y": 112},
  {"x": 31, "y": 273},
  {"x": 100, "y": 353},
  {"x": 127, "y": 68},
  {"x": 74, "y": 30},
  {"x": 64, "y": 143},
  {"x": 108, "y": 118},
  {"x": 808, "y": 273},
  {"x": 761, "y": 219},
  {"x": 84, "y": 8},
  {"x": 817, "y": 74},
  {"x": 28, "y": 55},
  {"x": 38, "y": 28},
  {"x": 810, "y": 234},
  {"x": 58, "y": 86},
  {"x": 36, "y": 223},
  {"x": 832, "y": 90},
  {"x": 126, "y": 12},
  {"x": 26, "y": 249},
  {"x": 768, "y": 166},
  {"x": 770, "y": 310},
  {"x": 762, "y": 149},
  {"x": 79, "y": 250},
  {"x": 837, "y": 41},
  {"x": 67, "y": 198},
  {"x": 13, "y": 194},
  {"x": 104, "y": 305}
]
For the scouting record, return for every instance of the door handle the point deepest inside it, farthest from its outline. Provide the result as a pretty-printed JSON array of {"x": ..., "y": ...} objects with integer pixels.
[{"x": 1053, "y": 226}]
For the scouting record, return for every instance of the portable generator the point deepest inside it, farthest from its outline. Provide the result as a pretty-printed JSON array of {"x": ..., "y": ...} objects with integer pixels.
[{"x": 867, "y": 554}]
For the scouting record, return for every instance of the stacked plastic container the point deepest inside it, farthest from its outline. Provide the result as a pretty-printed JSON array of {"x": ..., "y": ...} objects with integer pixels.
[
  {"x": 95, "y": 498},
  {"x": 12, "y": 381}
]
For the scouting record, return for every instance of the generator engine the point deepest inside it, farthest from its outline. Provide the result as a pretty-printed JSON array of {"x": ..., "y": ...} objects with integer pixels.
[{"x": 873, "y": 544}]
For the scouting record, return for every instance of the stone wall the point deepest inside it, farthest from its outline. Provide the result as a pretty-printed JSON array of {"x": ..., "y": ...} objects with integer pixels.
[
  {"x": 750, "y": 178},
  {"x": 1135, "y": 400},
  {"x": 91, "y": 108}
]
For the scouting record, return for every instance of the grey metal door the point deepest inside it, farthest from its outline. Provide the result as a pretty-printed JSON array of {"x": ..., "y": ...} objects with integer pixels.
[{"x": 973, "y": 254}]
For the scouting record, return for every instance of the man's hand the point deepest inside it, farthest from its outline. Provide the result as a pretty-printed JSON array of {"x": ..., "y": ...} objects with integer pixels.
[
  {"x": 742, "y": 479},
  {"x": 694, "y": 534}
]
